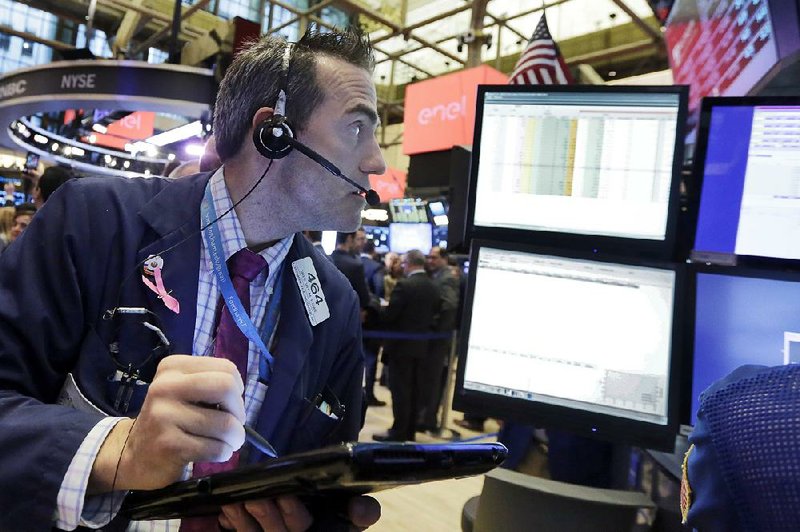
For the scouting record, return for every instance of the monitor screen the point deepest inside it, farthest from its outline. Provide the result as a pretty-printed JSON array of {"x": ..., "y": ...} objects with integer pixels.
[
  {"x": 721, "y": 48},
  {"x": 748, "y": 154},
  {"x": 571, "y": 342},
  {"x": 379, "y": 235},
  {"x": 31, "y": 161},
  {"x": 742, "y": 320},
  {"x": 404, "y": 237},
  {"x": 19, "y": 194},
  {"x": 580, "y": 160},
  {"x": 408, "y": 210}
]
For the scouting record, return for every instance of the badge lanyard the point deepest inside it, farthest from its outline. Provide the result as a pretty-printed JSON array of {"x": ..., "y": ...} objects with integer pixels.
[{"x": 213, "y": 241}]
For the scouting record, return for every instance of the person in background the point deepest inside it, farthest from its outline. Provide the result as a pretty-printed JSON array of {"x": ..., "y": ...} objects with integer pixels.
[
  {"x": 373, "y": 268},
  {"x": 413, "y": 309},
  {"x": 315, "y": 237},
  {"x": 742, "y": 471},
  {"x": 436, "y": 264},
  {"x": 93, "y": 404},
  {"x": 345, "y": 257},
  {"x": 8, "y": 194},
  {"x": 23, "y": 215},
  {"x": 52, "y": 178},
  {"x": 6, "y": 223},
  {"x": 394, "y": 272}
]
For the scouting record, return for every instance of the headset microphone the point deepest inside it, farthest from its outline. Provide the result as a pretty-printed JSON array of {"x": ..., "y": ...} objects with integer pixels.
[{"x": 274, "y": 139}]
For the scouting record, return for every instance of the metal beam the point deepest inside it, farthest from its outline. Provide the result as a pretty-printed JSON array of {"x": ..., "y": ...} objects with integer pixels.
[
  {"x": 610, "y": 53},
  {"x": 157, "y": 36},
  {"x": 57, "y": 45},
  {"x": 476, "y": 26},
  {"x": 123, "y": 5},
  {"x": 425, "y": 22},
  {"x": 654, "y": 34},
  {"x": 359, "y": 9}
]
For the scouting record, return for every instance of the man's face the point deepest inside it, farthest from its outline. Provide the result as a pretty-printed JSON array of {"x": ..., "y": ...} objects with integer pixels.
[
  {"x": 341, "y": 129},
  {"x": 359, "y": 241},
  {"x": 21, "y": 222},
  {"x": 434, "y": 261}
]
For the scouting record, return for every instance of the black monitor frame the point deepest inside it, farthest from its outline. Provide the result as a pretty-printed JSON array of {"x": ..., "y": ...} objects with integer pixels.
[
  {"x": 690, "y": 316},
  {"x": 698, "y": 169},
  {"x": 589, "y": 424},
  {"x": 599, "y": 244}
]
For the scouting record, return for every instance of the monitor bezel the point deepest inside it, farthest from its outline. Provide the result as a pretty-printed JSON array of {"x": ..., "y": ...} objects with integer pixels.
[
  {"x": 690, "y": 323},
  {"x": 585, "y": 423},
  {"x": 707, "y": 107},
  {"x": 599, "y": 244}
]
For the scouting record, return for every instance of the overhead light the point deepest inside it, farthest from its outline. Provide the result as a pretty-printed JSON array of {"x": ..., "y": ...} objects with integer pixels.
[
  {"x": 194, "y": 150},
  {"x": 67, "y": 150},
  {"x": 54, "y": 146},
  {"x": 92, "y": 139},
  {"x": 107, "y": 159},
  {"x": 171, "y": 157},
  {"x": 186, "y": 131},
  {"x": 113, "y": 163},
  {"x": 126, "y": 164},
  {"x": 146, "y": 172},
  {"x": 41, "y": 139},
  {"x": 100, "y": 128},
  {"x": 78, "y": 151}
]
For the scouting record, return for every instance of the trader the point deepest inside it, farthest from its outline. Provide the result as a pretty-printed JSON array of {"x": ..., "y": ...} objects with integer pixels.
[{"x": 112, "y": 296}]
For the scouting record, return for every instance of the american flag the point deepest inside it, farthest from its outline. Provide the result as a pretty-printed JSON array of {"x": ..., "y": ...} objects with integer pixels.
[{"x": 541, "y": 62}]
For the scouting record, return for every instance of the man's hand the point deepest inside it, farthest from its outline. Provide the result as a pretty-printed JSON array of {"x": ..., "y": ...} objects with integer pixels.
[
  {"x": 176, "y": 425},
  {"x": 289, "y": 514}
]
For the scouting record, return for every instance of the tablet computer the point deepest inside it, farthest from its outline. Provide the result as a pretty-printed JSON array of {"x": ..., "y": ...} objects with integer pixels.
[{"x": 348, "y": 468}]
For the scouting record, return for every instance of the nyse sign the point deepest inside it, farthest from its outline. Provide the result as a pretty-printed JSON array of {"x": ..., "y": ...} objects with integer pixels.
[{"x": 78, "y": 81}]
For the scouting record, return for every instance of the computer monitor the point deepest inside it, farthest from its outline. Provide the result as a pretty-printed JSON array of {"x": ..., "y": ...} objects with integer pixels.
[
  {"x": 404, "y": 237},
  {"x": 741, "y": 317},
  {"x": 748, "y": 157},
  {"x": 379, "y": 235},
  {"x": 408, "y": 210},
  {"x": 596, "y": 167},
  {"x": 569, "y": 342}
]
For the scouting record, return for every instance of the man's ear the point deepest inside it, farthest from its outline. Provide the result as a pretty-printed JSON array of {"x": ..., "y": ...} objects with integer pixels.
[{"x": 262, "y": 114}]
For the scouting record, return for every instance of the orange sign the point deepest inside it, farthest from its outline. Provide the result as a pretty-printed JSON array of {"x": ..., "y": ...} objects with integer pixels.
[
  {"x": 440, "y": 112},
  {"x": 135, "y": 126},
  {"x": 389, "y": 185}
]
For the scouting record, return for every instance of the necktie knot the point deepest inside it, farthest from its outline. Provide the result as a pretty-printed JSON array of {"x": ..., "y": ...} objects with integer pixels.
[{"x": 246, "y": 264}]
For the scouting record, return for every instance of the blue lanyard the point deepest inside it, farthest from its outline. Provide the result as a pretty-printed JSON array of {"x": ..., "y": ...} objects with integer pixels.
[{"x": 213, "y": 241}]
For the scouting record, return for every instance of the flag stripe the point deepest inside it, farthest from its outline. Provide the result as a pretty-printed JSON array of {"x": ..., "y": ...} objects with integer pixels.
[{"x": 541, "y": 62}]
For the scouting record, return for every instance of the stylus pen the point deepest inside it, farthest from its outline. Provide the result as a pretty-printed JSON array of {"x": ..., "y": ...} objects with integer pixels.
[{"x": 259, "y": 442}]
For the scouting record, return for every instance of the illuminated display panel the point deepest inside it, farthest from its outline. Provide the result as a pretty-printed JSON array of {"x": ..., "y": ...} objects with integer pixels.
[{"x": 720, "y": 48}]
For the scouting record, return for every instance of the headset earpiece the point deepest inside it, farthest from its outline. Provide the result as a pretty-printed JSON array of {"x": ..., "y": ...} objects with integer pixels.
[{"x": 270, "y": 137}]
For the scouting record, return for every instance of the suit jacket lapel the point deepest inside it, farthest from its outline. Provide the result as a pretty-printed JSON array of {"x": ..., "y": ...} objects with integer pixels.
[
  {"x": 293, "y": 342},
  {"x": 174, "y": 215}
]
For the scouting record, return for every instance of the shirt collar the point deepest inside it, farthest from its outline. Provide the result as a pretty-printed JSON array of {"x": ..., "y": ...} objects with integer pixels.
[{"x": 231, "y": 234}]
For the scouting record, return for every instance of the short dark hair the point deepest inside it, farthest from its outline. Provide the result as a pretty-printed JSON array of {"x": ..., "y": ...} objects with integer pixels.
[
  {"x": 341, "y": 238},
  {"x": 24, "y": 208},
  {"x": 52, "y": 178},
  {"x": 255, "y": 77}
]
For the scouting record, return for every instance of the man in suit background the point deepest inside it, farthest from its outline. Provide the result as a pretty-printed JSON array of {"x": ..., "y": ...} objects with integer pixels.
[
  {"x": 345, "y": 257},
  {"x": 439, "y": 349},
  {"x": 413, "y": 308}
]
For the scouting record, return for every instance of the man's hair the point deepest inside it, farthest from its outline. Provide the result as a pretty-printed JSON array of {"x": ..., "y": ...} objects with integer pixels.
[
  {"x": 24, "y": 208},
  {"x": 255, "y": 77},
  {"x": 369, "y": 247},
  {"x": 415, "y": 258},
  {"x": 443, "y": 252},
  {"x": 341, "y": 238},
  {"x": 52, "y": 178}
]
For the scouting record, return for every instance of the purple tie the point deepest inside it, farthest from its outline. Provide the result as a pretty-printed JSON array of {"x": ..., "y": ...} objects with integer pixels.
[{"x": 230, "y": 343}]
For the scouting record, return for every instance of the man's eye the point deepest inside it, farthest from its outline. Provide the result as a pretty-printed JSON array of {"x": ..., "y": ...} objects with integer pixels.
[{"x": 355, "y": 129}]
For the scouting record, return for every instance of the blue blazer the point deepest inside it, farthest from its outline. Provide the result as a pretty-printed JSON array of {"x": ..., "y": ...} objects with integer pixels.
[{"x": 76, "y": 260}]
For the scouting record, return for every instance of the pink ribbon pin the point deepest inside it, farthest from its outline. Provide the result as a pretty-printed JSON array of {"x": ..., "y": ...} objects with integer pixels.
[{"x": 169, "y": 301}]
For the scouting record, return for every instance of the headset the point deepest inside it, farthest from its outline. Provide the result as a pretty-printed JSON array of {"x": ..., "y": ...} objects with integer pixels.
[{"x": 274, "y": 137}]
